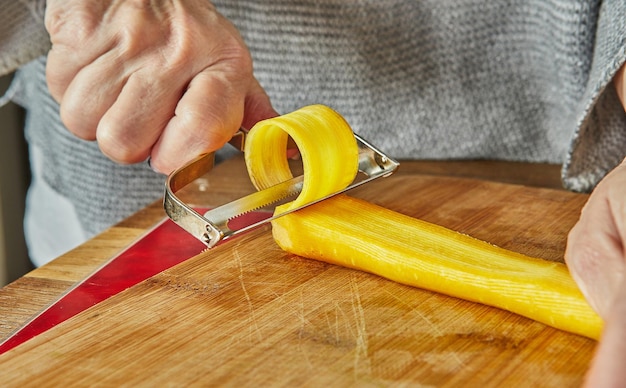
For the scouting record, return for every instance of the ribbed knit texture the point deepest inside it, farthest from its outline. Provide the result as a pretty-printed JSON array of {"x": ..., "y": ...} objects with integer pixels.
[
  {"x": 430, "y": 79},
  {"x": 23, "y": 36},
  {"x": 440, "y": 79}
]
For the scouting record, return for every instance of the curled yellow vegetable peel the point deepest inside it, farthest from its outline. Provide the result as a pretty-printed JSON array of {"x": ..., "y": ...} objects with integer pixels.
[{"x": 327, "y": 147}]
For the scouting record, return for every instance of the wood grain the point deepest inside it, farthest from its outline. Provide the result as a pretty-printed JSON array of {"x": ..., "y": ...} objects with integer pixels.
[{"x": 247, "y": 313}]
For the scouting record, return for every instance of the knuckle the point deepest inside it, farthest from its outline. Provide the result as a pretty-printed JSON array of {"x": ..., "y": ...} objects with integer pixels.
[
  {"x": 207, "y": 130},
  {"x": 140, "y": 5},
  {"x": 223, "y": 48},
  {"x": 236, "y": 58},
  {"x": 71, "y": 116},
  {"x": 55, "y": 77},
  {"x": 118, "y": 147},
  {"x": 72, "y": 26}
]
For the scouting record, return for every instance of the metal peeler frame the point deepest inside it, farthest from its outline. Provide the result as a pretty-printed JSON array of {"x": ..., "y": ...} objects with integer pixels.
[{"x": 212, "y": 227}]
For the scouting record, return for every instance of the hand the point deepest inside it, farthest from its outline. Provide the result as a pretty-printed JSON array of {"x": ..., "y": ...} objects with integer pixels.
[
  {"x": 162, "y": 79},
  {"x": 595, "y": 255},
  {"x": 595, "y": 247}
]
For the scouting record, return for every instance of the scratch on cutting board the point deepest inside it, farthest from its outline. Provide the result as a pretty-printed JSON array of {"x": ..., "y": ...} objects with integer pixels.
[
  {"x": 304, "y": 335},
  {"x": 438, "y": 332},
  {"x": 433, "y": 326},
  {"x": 334, "y": 327},
  {"x": 361, "y": 355},
  {"x": 254, "y": 327},
  {"x": 303, "y": 323}
]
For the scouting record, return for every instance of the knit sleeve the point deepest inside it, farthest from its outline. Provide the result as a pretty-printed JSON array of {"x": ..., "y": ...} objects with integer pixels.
[
  {"x": 600, "y": 142},
  {"x": 23, "y": 36}
]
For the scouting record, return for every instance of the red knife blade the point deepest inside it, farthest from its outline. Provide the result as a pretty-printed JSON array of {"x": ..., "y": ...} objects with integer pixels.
[{"x": 163, "y": 247}]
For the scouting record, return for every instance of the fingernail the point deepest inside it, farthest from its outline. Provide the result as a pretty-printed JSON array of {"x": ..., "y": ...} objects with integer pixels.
[{"x": 149, "y": 161}]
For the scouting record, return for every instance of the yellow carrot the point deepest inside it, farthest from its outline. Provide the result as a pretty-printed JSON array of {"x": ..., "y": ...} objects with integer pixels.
[
  {"x": 354, "y": 233},
  {"x": 357, "y": 234}
]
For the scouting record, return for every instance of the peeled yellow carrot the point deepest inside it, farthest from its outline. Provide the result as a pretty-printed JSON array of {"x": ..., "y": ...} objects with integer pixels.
[{"x": 358, "y": 234}]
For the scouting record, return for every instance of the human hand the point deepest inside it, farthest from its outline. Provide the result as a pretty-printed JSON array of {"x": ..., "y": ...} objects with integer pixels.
[
  {"x": 167, "y": 80},
  {"x": 595, "y": 246},
  {"x": 596, "y": 258}
]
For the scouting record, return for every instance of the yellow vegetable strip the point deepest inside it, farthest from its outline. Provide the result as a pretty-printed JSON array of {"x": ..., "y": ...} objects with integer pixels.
[
  {"x": 327, "y": 169},
  {"x": 358, "y": 234}
]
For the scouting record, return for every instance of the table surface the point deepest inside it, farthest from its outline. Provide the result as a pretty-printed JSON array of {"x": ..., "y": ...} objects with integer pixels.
[{"x": 26, "y": 296}]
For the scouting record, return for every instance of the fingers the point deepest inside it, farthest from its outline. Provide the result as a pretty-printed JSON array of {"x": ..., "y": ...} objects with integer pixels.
[
  {"x": 128, "y": 130},
  {"x": 595, "y": 248},
  {"x": 213, "y": 108},
  {"x": 73, "y": 26},
  {"x": 169, "y": 80},
  {"x": 594, "y": 258},
  {"x": 257, "y": 106},
  {"x": 149, "y": 113},
  {"x": 90, "y": 94},
  {"x": 206, "y": 117}
]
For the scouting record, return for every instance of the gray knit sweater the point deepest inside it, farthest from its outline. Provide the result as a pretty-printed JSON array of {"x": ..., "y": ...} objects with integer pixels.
[{"x": 525, "y": 80}]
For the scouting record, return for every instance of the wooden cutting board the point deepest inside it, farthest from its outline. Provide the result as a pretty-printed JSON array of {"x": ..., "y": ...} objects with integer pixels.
[{"x": 247, "y": 313}]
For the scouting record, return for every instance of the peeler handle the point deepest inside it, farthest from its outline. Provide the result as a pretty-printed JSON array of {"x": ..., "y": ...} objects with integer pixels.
[{"x": 183, "y": 215}]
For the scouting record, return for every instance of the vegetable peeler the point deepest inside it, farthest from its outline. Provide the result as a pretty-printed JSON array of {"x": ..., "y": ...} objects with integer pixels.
[{"x": 215, "y": 225}]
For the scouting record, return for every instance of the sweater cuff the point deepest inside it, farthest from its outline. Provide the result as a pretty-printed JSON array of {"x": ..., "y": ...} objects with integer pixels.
[
  {"x": 23, "y": 36},
  {"x": 600, "y": 141}
]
